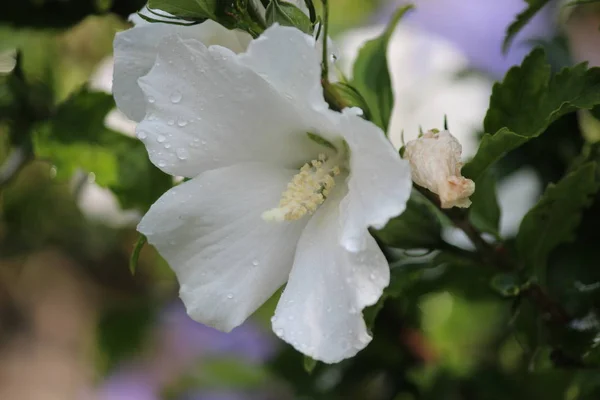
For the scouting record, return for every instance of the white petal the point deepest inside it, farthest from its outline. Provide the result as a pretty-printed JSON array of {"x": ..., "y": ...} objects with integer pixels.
[
  {"x": 227, "y": 259},
  {"x": 289, "y": 60},
  {"x": 319, "y": 312},
  {"x": 207, "y": 110},
  {"x": 135, "y": 53},
  {"x": 379, "y": 183}
]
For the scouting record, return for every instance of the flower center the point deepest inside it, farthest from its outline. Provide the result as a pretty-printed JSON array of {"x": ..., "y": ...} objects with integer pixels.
[{"x": 306, "y": 192}]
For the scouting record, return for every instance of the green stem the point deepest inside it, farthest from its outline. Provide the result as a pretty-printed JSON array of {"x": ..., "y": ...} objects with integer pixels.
[{"x": 325, "y": 61}]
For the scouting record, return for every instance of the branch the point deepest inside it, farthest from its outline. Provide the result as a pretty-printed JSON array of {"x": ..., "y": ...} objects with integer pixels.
[{"x": 497, "y": 257}]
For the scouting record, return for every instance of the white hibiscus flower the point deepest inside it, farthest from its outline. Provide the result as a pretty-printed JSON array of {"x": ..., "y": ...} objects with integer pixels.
[{"x": 282, "y": 189}]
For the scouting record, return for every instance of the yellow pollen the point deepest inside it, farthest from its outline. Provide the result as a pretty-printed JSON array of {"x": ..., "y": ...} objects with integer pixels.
[{"x": 306, "y": 192}]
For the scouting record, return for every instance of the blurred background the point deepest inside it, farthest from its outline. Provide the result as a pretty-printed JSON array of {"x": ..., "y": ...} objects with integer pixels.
[{"x": 75, "y": 323}]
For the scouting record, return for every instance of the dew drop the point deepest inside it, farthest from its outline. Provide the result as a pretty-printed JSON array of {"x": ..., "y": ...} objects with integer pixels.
[
  {"x": 151, "y": 99},
  {"x": 160, "y": 138},
  {"x": 279, "y": 332},
  {"x": 162, "y": 163},
  {"x": 230, "y": 296},
  {"x": 167, "y": 145},
  {"x": 142, "y": 135},
  {"x": 255, "y": 263},
  {"x": 182, "y": 123},
  {"x": 204, "y": 142},
  {"x": 352, "y": 310},
  {"x": 182, "y": 154},
  {"x": 273, "y": 319},
  {"x": 176, "y": 97},
  {"x": 171, "y": 122}
]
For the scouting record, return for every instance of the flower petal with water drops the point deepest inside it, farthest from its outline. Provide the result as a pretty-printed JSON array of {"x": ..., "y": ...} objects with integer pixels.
[
  {"x": 379, "y": 183},
  {"x": 135, "y": 51},
  {"x": 227, "y": 259},
  {"x": 207, "y": 109},
  {"x": 319, "y": 312}
]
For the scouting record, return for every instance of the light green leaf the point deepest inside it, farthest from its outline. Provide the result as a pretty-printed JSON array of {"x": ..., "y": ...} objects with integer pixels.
[
  {"x": 287, "y": 14},
  {"x": 484, "y": 213},
  {"x": 309, "y": 364},
  {"x": 187, "y": 9},
  {"x": 418, "y": 227},
  {"x": 371, "y": 76},
  {"x": 533, "y": 6},
  {"x": 528, "y": 100},
  {"x": 555, "y": 217}
]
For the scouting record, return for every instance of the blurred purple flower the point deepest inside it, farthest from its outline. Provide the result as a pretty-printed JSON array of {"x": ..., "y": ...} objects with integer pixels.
[
  {"x": 221, "y": 395},
  {"x": 180, "y": 344},
  {"x": 129, "y": 383},
  {"x": 478, "y": 28},
  {"x": 185, "y": 338}
]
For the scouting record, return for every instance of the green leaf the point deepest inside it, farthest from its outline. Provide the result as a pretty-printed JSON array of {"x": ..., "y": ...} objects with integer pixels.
[
  {"x": 187, "y": 9},
  {"x": 555, "y": 217},
  {"x": 508, "y": 285},
  {"x": 484, "y": 213},
  {"x": 287, "y": 14},
  {"x": 135, "y": 254},
  {"x": 533, "y": 6},
  {"x": 348, "y": 96},
  {"x": 580, "y": 2},
  {"x": 371, "y": 76},
  {"x": 418, "y": 227},
  {"x": 76, "y": 138},
  {"x": 528, "y": 100},
  {"x": 309, "y": 364}
]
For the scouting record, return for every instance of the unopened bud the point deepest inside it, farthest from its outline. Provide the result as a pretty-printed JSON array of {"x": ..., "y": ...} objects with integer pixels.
[{"x": 435, "y": 162}]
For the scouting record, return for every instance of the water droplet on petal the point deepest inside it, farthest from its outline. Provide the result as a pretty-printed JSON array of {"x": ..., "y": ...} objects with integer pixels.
[
  {"x": 142, "y": 135},
  {"x": 255, "y": 263},
  {"x": 171, "y": 122},
  {"x": 273, "y": 318},
  {"x": 167, "y": 145},
  {"x": 352, "y": 310},
  {"x": 182, "y": 123},
  {"x": 162, "y": 163},
  {"x": 230, "y": 296},
  {"x": 279, "y": 332},
  {"x": 176, "y": 97},
  {"x": 372, "y": 276},
  {"x": 182, "y": 153},
  {"x": 151, "y": 99},
  {"x": 160, "y": 138}
]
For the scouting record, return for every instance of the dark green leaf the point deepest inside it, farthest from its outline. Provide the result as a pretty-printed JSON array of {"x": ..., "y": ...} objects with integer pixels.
[
  {"x": 371, "y": 76},
  {"x": 507, "y": 285},
  {"x": 187, "y": 9},
  {"x": 76, "y": 138},
  {"x": 484, "y": 213},
  {"x": 528, "y": 100},
  {"x": 580, "y": 2},
  {"x": 555, "y": 217},
  {"x": 533, "y": 6},
  {"x": 287, "y": 14},
  {"x": 418, "y": 227}
]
